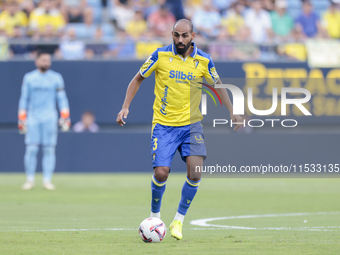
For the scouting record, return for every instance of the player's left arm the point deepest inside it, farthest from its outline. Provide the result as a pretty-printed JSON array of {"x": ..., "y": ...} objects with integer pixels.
[
  {"x": 222, "y": 92},
  {"x": 64, "y": 121}
]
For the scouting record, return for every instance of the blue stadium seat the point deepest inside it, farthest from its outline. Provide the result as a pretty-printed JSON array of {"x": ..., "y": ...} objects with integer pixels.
[
  {"x": 108, "y": 30},
  {"x": 97, "y": 9},
  {"x": 320, "y": 6},
  {"x": 84, "y": 32},
  {"x": 294, "y": 8},
  {"x": 294, "y": 4}
]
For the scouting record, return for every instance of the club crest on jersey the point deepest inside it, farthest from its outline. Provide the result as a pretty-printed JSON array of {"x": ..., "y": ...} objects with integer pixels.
[
  {"x": 196, "y": 62},
  {"x": 171, "y": 59}
]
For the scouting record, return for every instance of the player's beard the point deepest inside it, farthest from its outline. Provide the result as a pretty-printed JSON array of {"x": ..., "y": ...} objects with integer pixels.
[
  {"x": 182, "y": 51},
  {"x": 44, "y": 69}
]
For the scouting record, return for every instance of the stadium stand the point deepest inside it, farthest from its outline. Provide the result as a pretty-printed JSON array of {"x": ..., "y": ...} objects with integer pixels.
[{"x": 133, "y": 23}]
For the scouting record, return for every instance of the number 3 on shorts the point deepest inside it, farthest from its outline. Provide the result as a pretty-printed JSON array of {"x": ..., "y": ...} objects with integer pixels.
[{"x": 155, "y": 144}]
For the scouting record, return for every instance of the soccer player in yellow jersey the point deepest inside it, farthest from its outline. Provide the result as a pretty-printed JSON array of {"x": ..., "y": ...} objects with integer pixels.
[{"x": 179, "y": 68}]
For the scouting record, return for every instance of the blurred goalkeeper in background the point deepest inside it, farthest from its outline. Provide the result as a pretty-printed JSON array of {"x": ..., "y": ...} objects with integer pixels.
[{"x": 38, "y": 118}]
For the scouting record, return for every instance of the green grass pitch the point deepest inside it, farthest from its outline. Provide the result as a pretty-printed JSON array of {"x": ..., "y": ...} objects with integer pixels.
[{"x": 86, "y": 208}]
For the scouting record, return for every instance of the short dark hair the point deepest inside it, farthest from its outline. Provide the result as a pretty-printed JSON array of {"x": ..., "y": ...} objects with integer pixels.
[
  {"x": 186, "y": 21},
  {"x": 41, "y": 52},
  {"x": 87, "y": 112}
]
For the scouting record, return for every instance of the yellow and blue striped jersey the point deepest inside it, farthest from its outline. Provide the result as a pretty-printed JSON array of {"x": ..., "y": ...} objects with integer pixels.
[{"x": 177, "y": 93}]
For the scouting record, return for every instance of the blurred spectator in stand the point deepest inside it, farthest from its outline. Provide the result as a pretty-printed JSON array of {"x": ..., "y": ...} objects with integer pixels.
[
  {"x": 2, "y": 5},
  {"x": 259, "y": 23},
  {"x": 223, "y": 5},
  {"x": 146, "y": 45},
  {"x": 137, "y": 26},
  {"x": 176, "y": 8},
  {"x": 191, "y": 7},
  {"x": 86, "y": 124},
  {"x": 48, "y": 40},
  {"x": 87, "y": 30},
  {"x": 282, "y": 23},
  {"x": 27, "y": 7},
  {"x": 71, "y": 48},
  {"x": 75, "y": 10},
  {"x": 147, "y": 7},
  {"x": 124, "y": 48},
  {"x": 308, "y": 22},
  {"x": 4, "y": 48},
  {"x": 232, "y": 22},
  {"x": 122, "y": 13},
  {"x": 98, "y": 47},
  {"x": 245, "y": 52},
  {"x": 161, "y": 22},
  {"x": 269, "y": 5},
  {"x": 20, "y": 49},
  {"x": 220, "y": 51},
  {"x": 12, "y": 17},
  {"x": 45, "y": 15},
  {"x": 294, "y": 50},
  {"x": 105, "y": 11},
  {"x": 331, "y": 20},
  {"x": 207, "y": 21}
]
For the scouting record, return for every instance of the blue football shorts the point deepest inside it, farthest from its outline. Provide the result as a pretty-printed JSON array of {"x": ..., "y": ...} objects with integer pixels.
[
  {"x": 165, "y": 140},
  {"x": 42, "y": 132}
]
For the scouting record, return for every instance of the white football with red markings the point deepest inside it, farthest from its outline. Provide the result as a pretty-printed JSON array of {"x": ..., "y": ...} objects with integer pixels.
[{"x": 152, "y": 230}]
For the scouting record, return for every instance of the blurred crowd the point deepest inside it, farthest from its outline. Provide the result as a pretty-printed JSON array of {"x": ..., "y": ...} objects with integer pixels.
[{"x": 128, "y": 29}]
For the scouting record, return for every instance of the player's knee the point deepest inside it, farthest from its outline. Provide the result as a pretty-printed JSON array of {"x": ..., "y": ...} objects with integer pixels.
[
  {"x": 32, "y": 149},
  {"x": 194, "y": 176},
  {"x": 195, "y": 179},
  {"x": 49, "y": 149},
  {"x": 161, "y": 173}
]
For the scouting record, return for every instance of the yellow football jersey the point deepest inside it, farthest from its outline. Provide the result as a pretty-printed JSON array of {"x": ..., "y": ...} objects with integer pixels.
[
  {"x": 39, "y": 19},
  {"x": 177, "y": 88},
  {"x": 8, "y": 22}
]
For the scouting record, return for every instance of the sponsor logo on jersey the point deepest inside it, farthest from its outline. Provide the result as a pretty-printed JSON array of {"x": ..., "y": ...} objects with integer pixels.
[
  {"x": 181, "y": 77},
  {"x": 164, "y": 101}
]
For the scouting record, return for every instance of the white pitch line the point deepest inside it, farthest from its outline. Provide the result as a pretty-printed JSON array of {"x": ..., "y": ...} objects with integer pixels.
[
  {"x": 204, "y": 222},
  {"x": 68, "y": 230},
  {"x": 206, "y": 226},
  {"x": 92, "y": 229},
  {"x": 322, "y": 228}
]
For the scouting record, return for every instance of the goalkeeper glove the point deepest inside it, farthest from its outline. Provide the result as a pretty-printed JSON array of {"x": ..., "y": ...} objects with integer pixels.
[
  {"x": 22, "y": 122},
  {"x": 65, "y": 121}
]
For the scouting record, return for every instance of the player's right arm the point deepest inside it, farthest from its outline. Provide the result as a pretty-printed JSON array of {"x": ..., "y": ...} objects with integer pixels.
[
  {"x": 147, "y": 68},
  {"x": 23, "y": 103},
  {"x": 130, "y": 94}
]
